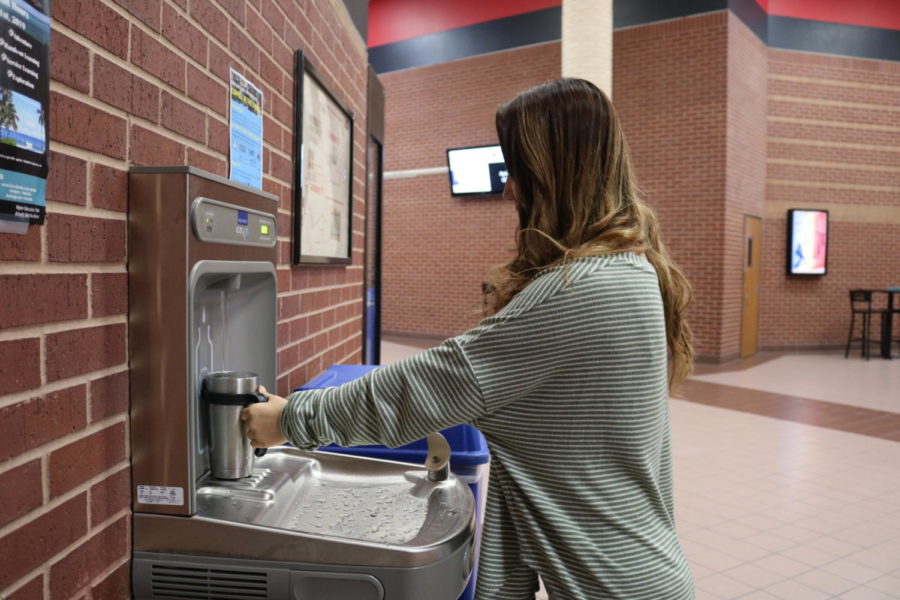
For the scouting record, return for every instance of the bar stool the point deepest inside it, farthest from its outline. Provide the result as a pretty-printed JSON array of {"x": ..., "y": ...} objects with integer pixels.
[{"x": 861, "y": 304}]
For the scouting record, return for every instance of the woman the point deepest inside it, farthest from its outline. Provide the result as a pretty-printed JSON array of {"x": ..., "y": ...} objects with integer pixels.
[{"x": 566, "y": 377}]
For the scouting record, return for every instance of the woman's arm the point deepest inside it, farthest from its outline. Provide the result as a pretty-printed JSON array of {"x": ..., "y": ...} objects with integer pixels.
[{"x": 393, "y": 405}]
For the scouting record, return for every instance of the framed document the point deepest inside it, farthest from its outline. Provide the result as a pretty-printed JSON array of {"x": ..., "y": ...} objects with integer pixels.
[{"x": 323, "y": 172}]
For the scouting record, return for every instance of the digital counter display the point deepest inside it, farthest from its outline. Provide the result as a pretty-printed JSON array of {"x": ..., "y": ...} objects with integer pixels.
[{"x": 264, "y": 229}]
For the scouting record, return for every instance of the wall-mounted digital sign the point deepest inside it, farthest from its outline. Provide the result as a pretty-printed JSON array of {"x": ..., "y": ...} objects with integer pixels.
[
  {"x": 477, "y": 170},
  {"x": 807, "y": 248}
]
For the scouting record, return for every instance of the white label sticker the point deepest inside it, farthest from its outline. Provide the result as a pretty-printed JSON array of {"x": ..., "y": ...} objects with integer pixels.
[{"x": 160, "y": 494}]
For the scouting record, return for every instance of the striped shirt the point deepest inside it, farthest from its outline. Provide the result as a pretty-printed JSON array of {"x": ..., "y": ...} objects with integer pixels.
[{"x": 568, "y": 383}]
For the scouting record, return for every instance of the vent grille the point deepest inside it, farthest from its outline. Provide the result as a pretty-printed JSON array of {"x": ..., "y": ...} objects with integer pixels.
[{"x": 192, "y": 583}]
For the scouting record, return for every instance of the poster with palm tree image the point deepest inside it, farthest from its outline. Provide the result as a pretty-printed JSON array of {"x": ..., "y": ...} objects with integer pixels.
[{"x": 24, "y": 100}]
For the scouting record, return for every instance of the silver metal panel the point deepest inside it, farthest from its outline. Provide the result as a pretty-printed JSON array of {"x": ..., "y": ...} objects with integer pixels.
[
  {"x": 220, "y": 223},
  {"x": 162, "y": 251},
  {"x": 200, "y": 173},
  {"x": 255, "y": 518}
]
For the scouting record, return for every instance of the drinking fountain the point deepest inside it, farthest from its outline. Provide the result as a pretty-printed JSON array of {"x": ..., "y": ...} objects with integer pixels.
[{"x": 301, "y": 525}]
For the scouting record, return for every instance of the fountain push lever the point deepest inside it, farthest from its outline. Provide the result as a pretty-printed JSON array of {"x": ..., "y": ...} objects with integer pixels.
[{"x": 438, "y": 461}]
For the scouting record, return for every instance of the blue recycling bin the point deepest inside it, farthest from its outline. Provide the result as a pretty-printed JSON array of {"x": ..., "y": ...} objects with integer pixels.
[{"x": 469, "y": 455}]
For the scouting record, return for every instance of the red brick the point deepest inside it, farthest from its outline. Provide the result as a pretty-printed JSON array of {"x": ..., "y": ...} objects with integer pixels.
[
  {"x": 29, "y": 299},
  {"x": 184, "y": 35},
  {"x": 76, "y": 570},
  {"x": 67, "y": 179},
  {"x": 146, "y": 11},
  {"x": 109, "y": 294},
  {"x": 237, "y": 9},
  {"x": 20, "y": 365},
  {"x": 83, "y": 126},
  {"x": 21, "y": 491},
  {"x": 144, "y": 99},
  {"x": 109, "y": 396},
  {"x": 117, "y": 584},
  {"x": 33, "y": 590},
  {"x": 69, "y": 62},
  {"x": 84, "y": 239},
  {"x": 35, "y": 422},
  {"x": 112, "y": 84},
  {"x": 35, "y": 542},
  {"x": 110, "y": 496},
  {"x": 259, "y": 30},
  {"x": 218, "y": 136},
  {"x": 220, "y": 62},
  {"x": 207, "y": 91},
  {"x": 211, "y": 18},
  {"x": 77, "y": 462},
  {"x": 182, "y": 118},
  {"x": 25, "y": 247},
  {"x": 150, "y": 148},
  {"x": 155, "y": 58},
  {"x": 71, "y": 353},
  {"x": 95, "y": 21},
  {"x": 244, "y": 48},
  {"x": 109, "y": 188}
]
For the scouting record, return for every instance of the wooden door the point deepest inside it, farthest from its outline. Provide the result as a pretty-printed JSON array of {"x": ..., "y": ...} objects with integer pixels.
[{"x": 750, "y": 311}]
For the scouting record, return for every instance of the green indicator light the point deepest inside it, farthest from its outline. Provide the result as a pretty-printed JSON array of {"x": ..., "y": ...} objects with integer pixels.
[{"x": 264, "y": 229}]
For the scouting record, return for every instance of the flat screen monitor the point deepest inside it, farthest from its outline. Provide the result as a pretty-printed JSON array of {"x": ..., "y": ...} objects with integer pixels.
[
  {"x": 807, "y": 242},
  {"x": 476, "y": 170}
]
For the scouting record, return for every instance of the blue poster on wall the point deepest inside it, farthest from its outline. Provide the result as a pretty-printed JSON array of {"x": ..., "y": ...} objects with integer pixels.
[
  {"x": 246, "y": 131},
  {"x": 24, "y": 105}
]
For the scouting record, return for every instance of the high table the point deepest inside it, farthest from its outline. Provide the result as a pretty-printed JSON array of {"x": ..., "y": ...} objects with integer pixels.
[{"x": 887, "y": 321}]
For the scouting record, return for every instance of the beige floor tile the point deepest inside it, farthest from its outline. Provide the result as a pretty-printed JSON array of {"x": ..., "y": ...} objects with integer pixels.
[
  {"x": 794, "y": 590},
  {"x": 831, "y": 378},
  {"x": 759, "y": 595},
  {"x": 809, "y": 555},
  {"x": 754, "y": 576},
  {"x": 784, "y": 566},
  {"x": 826, "y": 582},
  {"x": 865, "y": 593},
  {"x": 888, "y": 584},
  {"x": 852, "y": 571},
  {"x": 724, "y": 587}
]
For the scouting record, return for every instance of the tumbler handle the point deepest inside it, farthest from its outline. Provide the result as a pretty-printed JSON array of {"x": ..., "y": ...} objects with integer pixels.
[{"x": 258, "y": 397}]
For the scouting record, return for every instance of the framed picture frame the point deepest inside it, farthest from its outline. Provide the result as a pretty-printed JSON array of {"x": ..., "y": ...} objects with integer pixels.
[{"x": 323, "y": 171}]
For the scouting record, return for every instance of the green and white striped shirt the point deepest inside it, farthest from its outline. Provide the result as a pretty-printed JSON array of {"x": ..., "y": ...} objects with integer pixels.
[{"x": 568, "y": 383}]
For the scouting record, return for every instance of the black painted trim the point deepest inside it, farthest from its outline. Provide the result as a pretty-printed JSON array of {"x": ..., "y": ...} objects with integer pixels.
[
  {"x": 833, "y": 38},
  {"x": 490, "y": 36},
  {"x": 631, "y": 13}
]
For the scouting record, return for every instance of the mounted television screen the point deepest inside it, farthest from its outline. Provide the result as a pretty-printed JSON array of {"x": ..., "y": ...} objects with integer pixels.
[
  {"x": 478, "y": 170},
  {"x": 807, "y": 242}
]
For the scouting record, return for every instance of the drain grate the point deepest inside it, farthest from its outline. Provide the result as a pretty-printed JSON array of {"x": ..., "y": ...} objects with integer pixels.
[{"x": 192, "y": 583}]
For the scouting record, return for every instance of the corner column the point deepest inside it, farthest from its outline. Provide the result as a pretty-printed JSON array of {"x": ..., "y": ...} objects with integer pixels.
[{"x": 587, "y": 41}]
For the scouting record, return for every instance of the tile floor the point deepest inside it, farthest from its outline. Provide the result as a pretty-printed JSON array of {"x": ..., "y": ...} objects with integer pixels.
[{"x": 787, "y": 476}]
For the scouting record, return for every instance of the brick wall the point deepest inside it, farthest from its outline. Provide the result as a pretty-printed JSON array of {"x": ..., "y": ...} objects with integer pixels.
[
  {"x": 438, "y": 249},
  {"x": 142, "y": 82},
  {"x": 745, "y": 169},
  {"x": 670, "y": 88},
  {"x": 833, "y": 143}
]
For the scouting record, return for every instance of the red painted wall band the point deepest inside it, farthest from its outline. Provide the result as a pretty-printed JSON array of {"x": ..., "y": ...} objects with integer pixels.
[
  {"x": 395, "y": 20},
  {"x": 884, "y": 14}
]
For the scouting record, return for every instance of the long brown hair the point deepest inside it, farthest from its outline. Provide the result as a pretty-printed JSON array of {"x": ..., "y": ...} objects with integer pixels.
[{"x": 576, "y": 196}]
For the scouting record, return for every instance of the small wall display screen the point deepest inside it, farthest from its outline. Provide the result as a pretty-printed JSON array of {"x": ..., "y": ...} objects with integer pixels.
[
  {"x": 478, "y": 170},
  {"x": 807, "y": 242}
]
